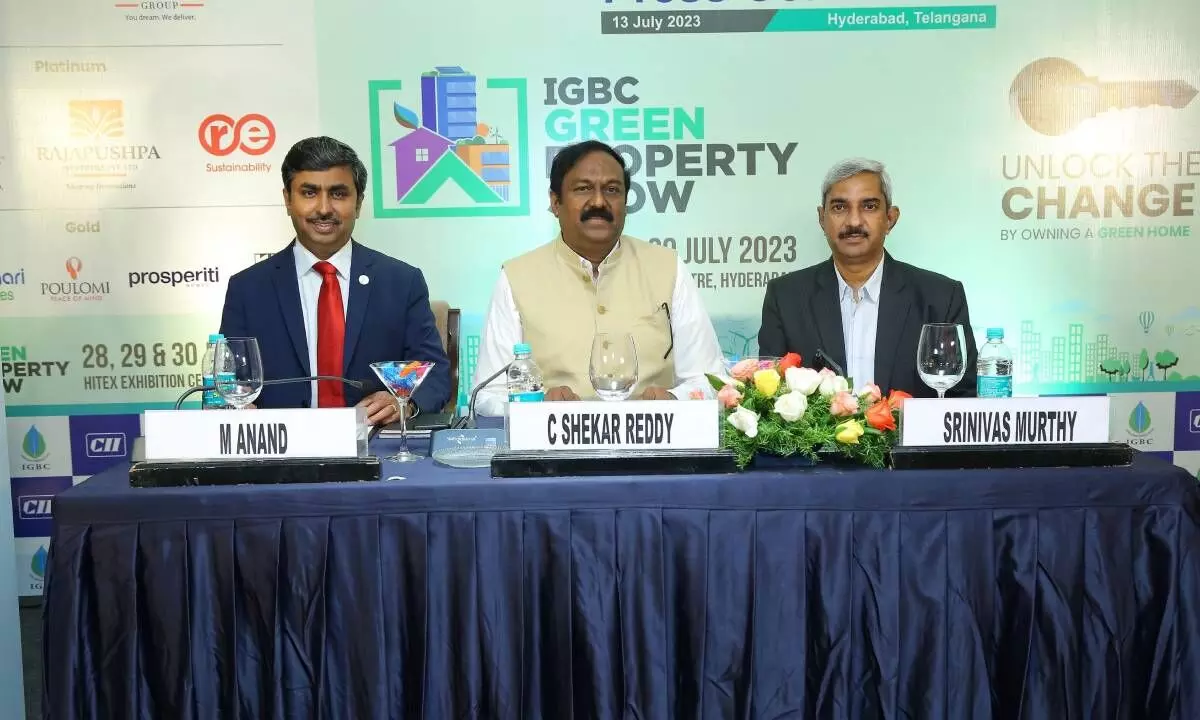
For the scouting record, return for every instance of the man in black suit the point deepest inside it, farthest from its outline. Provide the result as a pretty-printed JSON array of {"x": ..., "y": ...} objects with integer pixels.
[{"x": 861, "y": 308}]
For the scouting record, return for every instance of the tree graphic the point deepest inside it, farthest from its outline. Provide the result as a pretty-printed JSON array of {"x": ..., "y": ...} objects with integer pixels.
[
  {"x": 1111, "y": 367},
  {"x": 1165, "y": 360},
  {"x": 1143, "y": 363},
  {"x": 1125, "y": 369}
]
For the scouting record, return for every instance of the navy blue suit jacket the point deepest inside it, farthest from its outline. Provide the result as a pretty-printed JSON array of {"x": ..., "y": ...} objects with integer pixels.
[{"x": 389, "y": 318}]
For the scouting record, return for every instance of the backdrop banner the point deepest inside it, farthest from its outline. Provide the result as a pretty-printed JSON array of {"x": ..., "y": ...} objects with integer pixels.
[{"x": 1045, "y": 154}]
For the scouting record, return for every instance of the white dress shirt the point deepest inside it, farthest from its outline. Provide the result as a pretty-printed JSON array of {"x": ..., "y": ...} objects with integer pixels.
[
  {"x": 310, "y": 292},
  {"x": 860, "y": 318},
  {"x": 696, "y": 349}
]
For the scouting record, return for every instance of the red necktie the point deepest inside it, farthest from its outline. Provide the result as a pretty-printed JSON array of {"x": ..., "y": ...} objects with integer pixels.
[{"x": 331, "y": 336}]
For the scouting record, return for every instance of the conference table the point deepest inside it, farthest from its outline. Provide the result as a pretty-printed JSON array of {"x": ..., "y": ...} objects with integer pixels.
[{"x": 829, "y": 592}]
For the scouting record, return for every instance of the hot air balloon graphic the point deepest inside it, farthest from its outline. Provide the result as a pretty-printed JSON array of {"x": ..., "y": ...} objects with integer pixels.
[{"x": 1146, "y": 319}]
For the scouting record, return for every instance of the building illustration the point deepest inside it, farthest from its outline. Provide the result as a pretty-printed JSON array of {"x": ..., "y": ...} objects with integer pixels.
[{"x": 448, "y": 145}]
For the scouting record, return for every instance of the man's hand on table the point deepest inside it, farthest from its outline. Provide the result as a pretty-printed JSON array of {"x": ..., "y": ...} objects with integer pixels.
[
  {"x": 655, "y": 392},
  {"x": 382, "y": 408},
  {"x": 562, "y": 392}
]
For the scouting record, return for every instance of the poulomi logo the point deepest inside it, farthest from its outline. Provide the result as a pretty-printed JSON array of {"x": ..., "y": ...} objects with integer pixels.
[
  {"x": 174, "y": 278},
  {"x": 222, "y": 135},
  {"x": 77, "y": 290}
]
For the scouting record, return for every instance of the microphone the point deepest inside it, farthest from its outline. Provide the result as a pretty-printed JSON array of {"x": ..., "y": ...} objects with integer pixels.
[
  {"x": 469, "y": 420},
  {"x": 356, "y": 384},
  {"x": 829, "y": 362}
]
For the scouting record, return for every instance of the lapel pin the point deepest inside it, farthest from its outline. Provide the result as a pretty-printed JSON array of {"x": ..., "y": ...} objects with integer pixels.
[{"x": 363, "y": 279}]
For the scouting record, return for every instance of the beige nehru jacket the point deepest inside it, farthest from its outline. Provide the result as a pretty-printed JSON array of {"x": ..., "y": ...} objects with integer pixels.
[{"x": 562, "y": 308}]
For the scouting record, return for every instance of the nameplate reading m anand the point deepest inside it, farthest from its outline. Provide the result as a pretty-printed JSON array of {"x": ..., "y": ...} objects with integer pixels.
[
  {"x": 600, "y": 425},
  {"x": 253, "y": 434},
  {"x": 1005, "y": 421}
]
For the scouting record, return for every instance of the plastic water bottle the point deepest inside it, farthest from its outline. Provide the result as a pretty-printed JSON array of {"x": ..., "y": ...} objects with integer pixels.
[
  {"x": 211, "y": 399},
  {"x": 524, "y": 377},
  {"x": 994, "y": 369}
]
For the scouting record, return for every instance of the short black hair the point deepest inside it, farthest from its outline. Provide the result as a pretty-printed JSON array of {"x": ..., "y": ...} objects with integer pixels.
[
  {"x": 315, "y": 154},
  {"x": 570, "y": 156}
]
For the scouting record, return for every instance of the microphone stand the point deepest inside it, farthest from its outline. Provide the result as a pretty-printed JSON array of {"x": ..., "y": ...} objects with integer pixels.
[
  {"x": 469, "y": 420},
  {"x": 356, "y": 384}
]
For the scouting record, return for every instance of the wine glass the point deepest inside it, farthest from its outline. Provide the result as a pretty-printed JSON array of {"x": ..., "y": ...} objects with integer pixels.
[
  {"x": 402, "y": 378},
  {"x": 237, "y": 371},
  {"x": 941, "y": 356},
  {"x": 614, "y": 367}
]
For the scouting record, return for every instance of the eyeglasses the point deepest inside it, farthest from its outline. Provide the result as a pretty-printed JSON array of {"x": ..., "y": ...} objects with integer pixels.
[{"x": 670, "y": 328}]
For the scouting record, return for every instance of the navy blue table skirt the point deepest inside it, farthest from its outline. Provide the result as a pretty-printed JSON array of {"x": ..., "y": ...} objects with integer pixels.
[{"x": 852, "y": 594}]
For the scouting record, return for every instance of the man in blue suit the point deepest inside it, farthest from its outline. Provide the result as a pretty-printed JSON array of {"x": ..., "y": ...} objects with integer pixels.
[{"x": 326, "y": 305}]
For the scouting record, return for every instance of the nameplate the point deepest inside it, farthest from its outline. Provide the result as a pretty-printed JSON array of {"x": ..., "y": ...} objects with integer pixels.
[
  {"x": 1004, "y": 421},
  {"x": 253, "y": 434},
  {"x": 601, "y": 425}
]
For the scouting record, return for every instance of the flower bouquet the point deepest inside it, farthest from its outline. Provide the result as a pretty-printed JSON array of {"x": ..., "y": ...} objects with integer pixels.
[{"x": 777, "y": 406}]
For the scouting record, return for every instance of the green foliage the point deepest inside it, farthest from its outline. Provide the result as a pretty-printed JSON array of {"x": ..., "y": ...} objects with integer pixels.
[
  {"x": 1166, "y": 359},
  {"x": 1111, "y": 366},
  {"x": 1143, "y": 360}
]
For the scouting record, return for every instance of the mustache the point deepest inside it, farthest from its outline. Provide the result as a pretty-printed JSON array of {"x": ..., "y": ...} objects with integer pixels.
[
  {"x": 325, "y": 219},
  {"x": 597, "y": 212},
  {"x": 848, "y": 232}
]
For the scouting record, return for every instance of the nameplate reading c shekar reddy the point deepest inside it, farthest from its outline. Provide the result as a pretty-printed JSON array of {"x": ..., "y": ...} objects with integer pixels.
[
  {"x": 1004, "y": 421},
  {"x": 600, "y": 425}
]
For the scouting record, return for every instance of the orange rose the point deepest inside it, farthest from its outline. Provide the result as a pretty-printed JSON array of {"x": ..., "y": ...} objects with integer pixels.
[
  {"x": 791, "y": 360},
  {"x": 896, "y": 398},
  {"x": 879, "y": 416}
]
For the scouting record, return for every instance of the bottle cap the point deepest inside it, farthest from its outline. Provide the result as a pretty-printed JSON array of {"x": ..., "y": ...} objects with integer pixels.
[
  {"x": 995, "y": 333},
  {"x": 216, "y": 337},
  {"x": 521, "y": 349}
]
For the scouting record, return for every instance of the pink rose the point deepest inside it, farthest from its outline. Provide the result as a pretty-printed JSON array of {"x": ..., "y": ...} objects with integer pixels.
[
  {"x": 843, "y": 404},
  {"x": 744, "y": 370},
  {"x": 870, "y": 393},
  {"x": 729, "y": 396},
  {"x": 696, "y": 395}
]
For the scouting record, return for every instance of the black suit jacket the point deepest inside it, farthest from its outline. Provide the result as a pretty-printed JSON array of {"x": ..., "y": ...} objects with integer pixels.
[
  {"x": 389, "y": 318},
  {"x": 801, "y": 313}
]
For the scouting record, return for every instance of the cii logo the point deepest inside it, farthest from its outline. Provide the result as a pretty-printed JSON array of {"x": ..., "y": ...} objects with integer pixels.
[
  {"x": 461, "y": 153},
  {"x": 105, "y": 445}
]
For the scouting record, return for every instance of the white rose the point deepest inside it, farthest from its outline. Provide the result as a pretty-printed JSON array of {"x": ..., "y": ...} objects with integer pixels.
[
  {"x": 802, "y": 380},
  {"x": 791, "y": 406},
  {"x": 833, "y": 384},
  {"x": 744, "y": 420}
]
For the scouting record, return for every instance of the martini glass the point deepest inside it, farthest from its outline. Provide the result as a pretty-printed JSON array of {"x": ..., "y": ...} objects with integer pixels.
[{"x": 402, "y": 378}]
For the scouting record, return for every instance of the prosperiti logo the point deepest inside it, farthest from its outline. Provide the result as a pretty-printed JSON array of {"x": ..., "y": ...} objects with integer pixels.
[
  {"x": 33, "y": 504},
  {"x": 173, "y": 278},
  {"x": 222, "y": 135}
]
